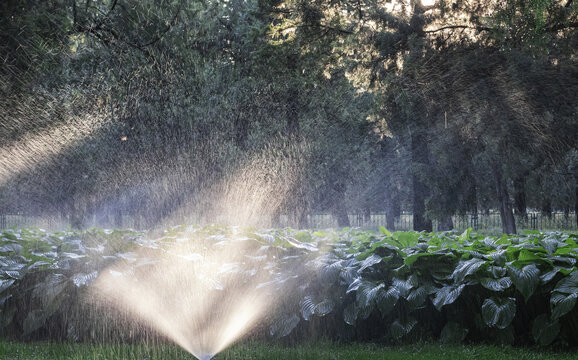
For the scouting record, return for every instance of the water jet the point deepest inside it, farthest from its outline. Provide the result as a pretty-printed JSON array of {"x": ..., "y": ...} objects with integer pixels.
[{"x": 202, "y": 295}]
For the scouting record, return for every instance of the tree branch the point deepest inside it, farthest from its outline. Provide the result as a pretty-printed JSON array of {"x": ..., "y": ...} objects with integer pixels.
[{"x": 451, "y": 27}]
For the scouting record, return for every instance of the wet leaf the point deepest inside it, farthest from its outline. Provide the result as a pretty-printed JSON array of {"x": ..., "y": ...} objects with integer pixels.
[
  {"x": 399, "y": 329},
  {"x": 12, "y": 248},
  {"x": 499, "y": 285},
  {"x": 284, "y": 325},
  {"x": 499, "y": 312},
  {"x": 466, "y": 268},
  {"x": 369, "y": 261},
  {"x": 387, "y": 299},
  {"x": 525, "y": 279},
  {"x": 447, "y": 295},
  {"x": 350, "y": 314},
  {"x": 5, "y": 284},
  {"x": 82, "y": 279}
]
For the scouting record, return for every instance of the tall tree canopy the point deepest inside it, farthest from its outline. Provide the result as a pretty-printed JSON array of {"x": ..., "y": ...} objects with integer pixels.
[{"x": 167, "y": 110}]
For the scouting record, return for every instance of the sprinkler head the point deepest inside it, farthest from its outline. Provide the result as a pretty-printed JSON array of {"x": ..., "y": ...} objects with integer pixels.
[{"x": 207, "y": 357}]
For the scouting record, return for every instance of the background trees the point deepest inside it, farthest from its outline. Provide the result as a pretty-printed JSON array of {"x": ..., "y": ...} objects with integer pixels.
[{"x": 163, "y": 110}]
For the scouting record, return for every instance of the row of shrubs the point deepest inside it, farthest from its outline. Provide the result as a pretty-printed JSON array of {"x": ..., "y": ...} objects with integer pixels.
[{"x": 348, "y": 284}]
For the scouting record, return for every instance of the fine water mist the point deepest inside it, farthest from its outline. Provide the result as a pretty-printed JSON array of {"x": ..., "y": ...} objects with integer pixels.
[
  {"x": 201, "y": 294},
  {"x": 205, "y": 292}
]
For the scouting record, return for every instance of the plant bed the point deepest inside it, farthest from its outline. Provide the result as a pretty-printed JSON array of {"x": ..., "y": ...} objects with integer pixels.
[{"x": 348, "y": 285}]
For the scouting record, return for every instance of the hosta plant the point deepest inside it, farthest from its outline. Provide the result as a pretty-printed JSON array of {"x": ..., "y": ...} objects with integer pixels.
[{"x": 348, "y": 284}]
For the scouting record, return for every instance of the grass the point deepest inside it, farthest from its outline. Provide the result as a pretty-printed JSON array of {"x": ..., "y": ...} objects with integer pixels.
[{"x": 254, "y": 351}]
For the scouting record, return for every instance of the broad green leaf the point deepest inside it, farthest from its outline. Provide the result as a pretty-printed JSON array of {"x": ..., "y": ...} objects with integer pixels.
[
  {"x": 403, "y": 287},
  {"x": 307, "y": 307},
  {"x": 387, "y": 244},
  {"x": 284, "y": 325},
  {"x": 82, "y": 279},
  {"x": 446, "y": 295},
  {"x": 465, "y": 236},
  {"x": 387, "y": 299},
  {"x": 526, "y": 279},
  {"x": 527, "y": 255},
  {"x": 563, "y": 260},
  {"x": 369, "y": 261},
  {"x": 468, "y": 253},
  {"x": 301, "y": 245},
  {"x": 399, "y": 329},
  {"x": 5, "y": 284},
  {"x": 497, "y": 271},
  {"x": 363, "y": 312},
  {"x": 368, "y": 292},
  {"x": 453, "y": 333},
  {"x": 498, "y": 312},
  {"x": 500, "y": 284},
  {"x": 564, "y": 295},
  {"x": 303, "y": 236},
  {"x": 354, "y": 285},
  {"x": 350, "y": 314},
  {"x": 416, "y": 297},
  {"x": 324, "y": 307},
  {"x": 12, "y": 248},
  {"x": 505, "y": 239},
  {"x": 545, "y": 330},
  {"x": 406, "y": 238},
  {"x": 384, "y": 231},
  {"x": 551, "y": 245},
  {"x": 548, "y": 276},
  {"x": 411, "y": 259},
  {"x": 499, "y": 257},
  {"x": 561, "y": 304},
  {"x": 466, "y": 268},
  {"x": 330, "y": 271}
]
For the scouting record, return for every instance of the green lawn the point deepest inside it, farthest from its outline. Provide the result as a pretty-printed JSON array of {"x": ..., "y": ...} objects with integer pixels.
[{"x": 46, "y": 351}]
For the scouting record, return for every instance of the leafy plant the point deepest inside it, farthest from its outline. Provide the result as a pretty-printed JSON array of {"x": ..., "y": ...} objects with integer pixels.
[{"x": 389, "y": 285}]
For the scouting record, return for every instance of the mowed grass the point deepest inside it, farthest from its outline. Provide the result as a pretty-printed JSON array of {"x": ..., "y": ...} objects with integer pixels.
[{"x": 254, "y": 351}]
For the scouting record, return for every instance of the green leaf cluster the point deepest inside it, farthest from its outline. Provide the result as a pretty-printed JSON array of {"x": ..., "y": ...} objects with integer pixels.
[{"x": 450, "y": 286}]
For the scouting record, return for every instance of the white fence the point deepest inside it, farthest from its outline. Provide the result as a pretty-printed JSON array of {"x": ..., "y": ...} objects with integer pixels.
[{"x": 481, "y": 222}]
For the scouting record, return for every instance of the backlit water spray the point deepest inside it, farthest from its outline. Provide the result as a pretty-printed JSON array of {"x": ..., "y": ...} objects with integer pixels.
[
  {"x": 202, "y": 294},
  {"x": 205, "y": 292}
]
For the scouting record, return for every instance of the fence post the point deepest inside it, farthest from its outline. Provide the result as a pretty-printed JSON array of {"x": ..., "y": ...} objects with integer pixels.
[
  {"x": 474, "y": 221},
  {"x": 534, "y": 221}
]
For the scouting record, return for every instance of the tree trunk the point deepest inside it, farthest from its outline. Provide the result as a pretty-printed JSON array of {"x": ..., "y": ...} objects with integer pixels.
[
  {"x": 241, "y": 130},
  {"x": 419, "y": 154},
  {"x": 292, "y": 101},
  {"x": 506, "y": 213},
  {"x": 446, "y": 224},
  {"x": 520, "y": 197},
  {"x": 547, "y": 208},
  {"x": 576, "y": 203},
  {"x": 301, "y": 220},
  {"x": 389, "y": 211},
  {"x": 118, "y": 217},
  {"x": 338, "y": 209},
  {"x": 76, "y": 216},
  {"x": 366, "y": 214}
]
